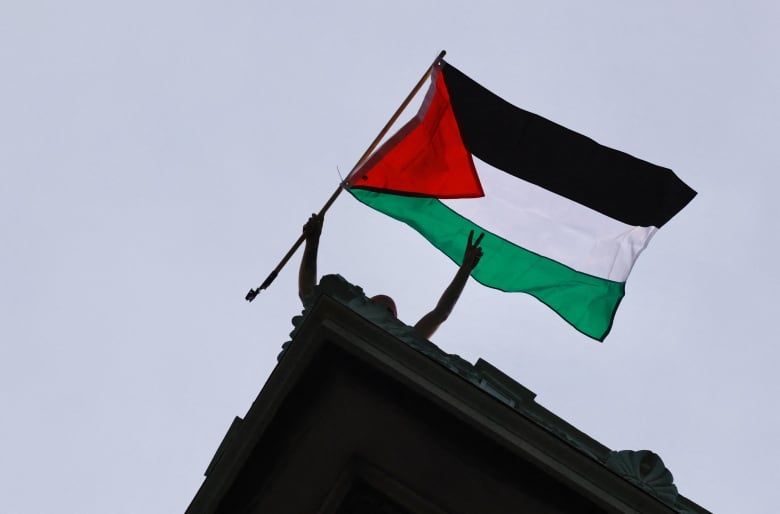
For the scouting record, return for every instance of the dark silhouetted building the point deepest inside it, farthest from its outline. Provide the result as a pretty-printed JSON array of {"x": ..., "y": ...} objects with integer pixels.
[{"x": 362, "y": 416}]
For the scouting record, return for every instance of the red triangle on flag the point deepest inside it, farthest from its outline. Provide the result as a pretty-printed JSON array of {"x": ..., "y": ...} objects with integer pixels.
[{"x": 426, "y": 157}]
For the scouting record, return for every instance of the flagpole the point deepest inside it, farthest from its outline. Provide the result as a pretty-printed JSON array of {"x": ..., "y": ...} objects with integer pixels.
[{"x": 267, "y": 282}]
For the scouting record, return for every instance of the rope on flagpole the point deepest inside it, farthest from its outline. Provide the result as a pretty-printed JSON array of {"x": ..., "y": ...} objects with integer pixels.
[{"x": 267, "y": 282}]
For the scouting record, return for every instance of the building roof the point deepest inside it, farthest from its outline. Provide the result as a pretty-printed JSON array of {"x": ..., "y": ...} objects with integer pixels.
[{"x": 339, "y": 314}]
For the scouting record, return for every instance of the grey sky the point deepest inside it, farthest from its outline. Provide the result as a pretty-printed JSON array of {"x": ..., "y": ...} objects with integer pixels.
[{"x": 158, "y": 158}]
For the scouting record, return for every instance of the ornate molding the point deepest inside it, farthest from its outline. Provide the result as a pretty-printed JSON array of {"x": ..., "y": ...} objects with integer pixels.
[{"x": 645, "y": 469}]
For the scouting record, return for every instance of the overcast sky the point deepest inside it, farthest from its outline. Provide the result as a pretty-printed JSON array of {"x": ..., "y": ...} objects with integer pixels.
[{"x": 159, "y": 157}]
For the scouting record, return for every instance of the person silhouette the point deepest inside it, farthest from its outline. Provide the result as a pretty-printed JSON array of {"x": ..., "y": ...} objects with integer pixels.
[{"x": 430, "y": 322}]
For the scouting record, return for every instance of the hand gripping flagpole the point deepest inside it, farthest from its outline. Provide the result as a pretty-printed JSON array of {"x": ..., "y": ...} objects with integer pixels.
[{"x": 267, "y": 282}]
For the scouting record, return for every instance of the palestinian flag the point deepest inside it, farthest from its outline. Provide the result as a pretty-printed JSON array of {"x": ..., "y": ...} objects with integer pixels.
[{"x": 564, "y": 217}]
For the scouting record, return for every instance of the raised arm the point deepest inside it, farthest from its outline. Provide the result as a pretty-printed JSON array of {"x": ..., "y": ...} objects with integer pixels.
[
  {"x": 307, "y": 275},
  {"x": 431, "y": 321}
]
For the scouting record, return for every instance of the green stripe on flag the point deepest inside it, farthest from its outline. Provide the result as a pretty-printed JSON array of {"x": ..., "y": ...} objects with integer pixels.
[{"x": 588, "y": 303}]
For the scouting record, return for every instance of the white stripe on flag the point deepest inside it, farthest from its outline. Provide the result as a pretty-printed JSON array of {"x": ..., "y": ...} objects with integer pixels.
[{"x": 553, "y": 226}]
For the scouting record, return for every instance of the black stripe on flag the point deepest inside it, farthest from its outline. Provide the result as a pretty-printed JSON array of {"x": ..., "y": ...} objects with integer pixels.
[{"x": 560, "y": 160}]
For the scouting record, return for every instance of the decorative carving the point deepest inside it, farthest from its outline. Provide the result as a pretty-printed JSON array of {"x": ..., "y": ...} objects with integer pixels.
[{"x": 645, "y": 469}]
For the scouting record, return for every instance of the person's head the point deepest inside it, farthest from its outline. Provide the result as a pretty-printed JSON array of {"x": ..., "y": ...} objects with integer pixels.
[{"x": 386, "y": 302}]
